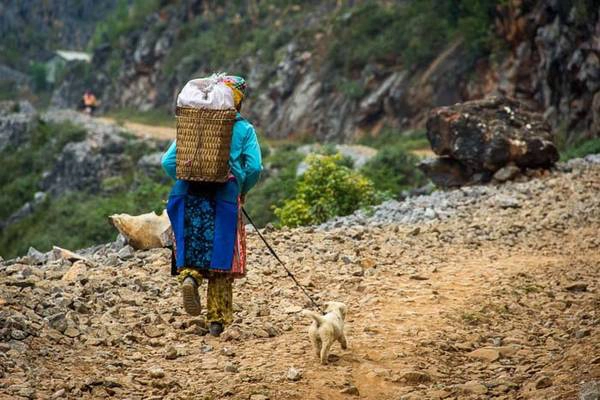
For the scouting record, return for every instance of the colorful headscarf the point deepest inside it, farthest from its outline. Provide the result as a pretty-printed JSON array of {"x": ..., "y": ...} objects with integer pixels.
[{"x": 238, "y": 87}]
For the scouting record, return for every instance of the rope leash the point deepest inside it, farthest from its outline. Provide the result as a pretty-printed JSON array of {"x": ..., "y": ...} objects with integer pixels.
[{"x": 281, "y": 262}]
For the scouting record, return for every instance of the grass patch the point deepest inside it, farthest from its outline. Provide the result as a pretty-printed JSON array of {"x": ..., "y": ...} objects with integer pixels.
[
  {"x": 154, "y": 117},
  {"x": 407, "y": 140},
  {"x": 580, "y": 149}
]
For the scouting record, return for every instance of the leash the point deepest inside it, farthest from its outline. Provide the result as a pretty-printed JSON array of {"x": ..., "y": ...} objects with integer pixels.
[{"x": 281, "y": 262}]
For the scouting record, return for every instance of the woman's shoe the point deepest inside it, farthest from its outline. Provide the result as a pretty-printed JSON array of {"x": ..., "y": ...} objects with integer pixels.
[
  {"x": 191, "y": 298},
  {"x": 215, "y": 328}
]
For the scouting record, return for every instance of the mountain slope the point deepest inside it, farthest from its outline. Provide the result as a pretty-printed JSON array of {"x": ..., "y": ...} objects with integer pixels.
[{"x": 336, "y": 71}]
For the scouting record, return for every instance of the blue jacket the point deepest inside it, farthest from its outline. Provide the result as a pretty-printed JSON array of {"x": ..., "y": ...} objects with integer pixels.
[{"x": 244, "y": 161}]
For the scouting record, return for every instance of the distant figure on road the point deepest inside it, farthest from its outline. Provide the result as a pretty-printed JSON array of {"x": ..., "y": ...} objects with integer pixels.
[{"x": 89, "y": 102}]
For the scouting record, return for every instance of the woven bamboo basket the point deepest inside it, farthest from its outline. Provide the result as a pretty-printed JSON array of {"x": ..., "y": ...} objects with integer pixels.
[{"x": 203, "y": 143}]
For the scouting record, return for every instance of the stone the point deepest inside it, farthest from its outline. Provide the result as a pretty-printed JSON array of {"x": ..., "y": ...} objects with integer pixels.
[
  {"x": 64, "y": 254},
  {"x": 171, "y": 353},
  {"x": 415, "y": 377},
  {"x": 142, "y": 231},
  {"x": 472, "y": 387},
  {"x": 590, "y": 391},
  {"x": 486, "y": 135},
  {"x": 18, "y": 334},
  {"x": 153, "y": 331},
  {"x": 58, "y": 394},
  {"x": 445, "y": 172},
  {"x": 36, "y": 256},
  {"x": 577, "y": 287},
  {"x": 293, "y": 374},
  {"x": 126, "y": 253},
  {"x": 71, "y": 332},
  {"x": 73, "y": 273},
  {"x": 156, "y": 372},
  {"x": 231, "y": 334},
  {"x": 507, "y": 173},
  {"x": 543, "y": 382},
  {"x": 231, "y": 367},
  {"x": 488, "y": 354},
  {"x": 581, "y": 333},
  {"x": 351, "y": 390},
  {"x": 292, "y": 309},
  {"x": 259, "y": 397}
]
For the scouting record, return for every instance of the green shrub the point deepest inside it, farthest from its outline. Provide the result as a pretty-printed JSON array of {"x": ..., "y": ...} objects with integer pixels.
[
  {"x": 127, "y": 17},
  {"x": 393, "y": 170},
  {"x": 409, "y": 140},
  {"x": 327, "y": 189},
  {"x": 581, "y": 149},
  {"x": 410, "y": 33}
]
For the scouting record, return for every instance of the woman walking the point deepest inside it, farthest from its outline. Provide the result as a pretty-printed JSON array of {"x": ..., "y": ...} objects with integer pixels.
[{"x": 207, "y": 224}]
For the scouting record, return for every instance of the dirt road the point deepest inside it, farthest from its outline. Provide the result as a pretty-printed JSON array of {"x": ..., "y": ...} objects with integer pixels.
[
  {"x": 143, "y": 130},
  {"x": 499, "y": 301}
]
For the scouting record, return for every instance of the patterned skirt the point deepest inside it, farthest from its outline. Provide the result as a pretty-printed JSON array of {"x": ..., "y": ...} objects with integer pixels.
[{"x": 199, "y": 234}]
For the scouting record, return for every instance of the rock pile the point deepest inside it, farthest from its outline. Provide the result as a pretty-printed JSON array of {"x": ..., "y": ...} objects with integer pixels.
[{"x": 476, "y": 139}]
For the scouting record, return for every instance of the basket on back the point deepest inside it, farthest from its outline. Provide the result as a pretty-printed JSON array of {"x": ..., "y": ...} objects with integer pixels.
[{"x": 203, "y": 143}]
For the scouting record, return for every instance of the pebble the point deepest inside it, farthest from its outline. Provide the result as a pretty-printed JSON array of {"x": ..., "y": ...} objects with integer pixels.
[
  {"x": 577, "y": 287},
  {"x": 351, "y": 390},
  {"x": 293, "y": 374},
  {"x": 231, "y": 367},
  {"x": 156, "y": 372},
  {"x": 171, "y": 353},
  {"x": 473, "y": 387},
  {"x": 543, "y": 382},
  {"x": 415, "y": 377},
  {"x": 488, "y": 354}
]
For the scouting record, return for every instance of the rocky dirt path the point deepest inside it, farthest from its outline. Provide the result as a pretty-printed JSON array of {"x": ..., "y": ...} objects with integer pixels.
[{"x": 499, "y": 300}]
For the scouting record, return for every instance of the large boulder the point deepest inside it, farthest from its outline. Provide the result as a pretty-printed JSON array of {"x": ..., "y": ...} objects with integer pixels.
[{"x": 482, "y": 136}]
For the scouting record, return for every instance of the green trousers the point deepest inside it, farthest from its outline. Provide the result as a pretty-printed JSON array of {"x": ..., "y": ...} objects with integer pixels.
[{"x": 219, "y": 295}]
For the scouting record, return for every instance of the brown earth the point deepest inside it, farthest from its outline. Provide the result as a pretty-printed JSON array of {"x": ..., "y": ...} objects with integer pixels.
[{"x": 499, "y": 301}]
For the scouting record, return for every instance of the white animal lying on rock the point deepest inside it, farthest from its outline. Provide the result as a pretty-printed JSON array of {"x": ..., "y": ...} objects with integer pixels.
[{"x": 146, "y": 231}]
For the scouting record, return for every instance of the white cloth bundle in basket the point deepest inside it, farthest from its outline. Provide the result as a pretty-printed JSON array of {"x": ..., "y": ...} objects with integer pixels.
[{"x": 206, "y": 93}]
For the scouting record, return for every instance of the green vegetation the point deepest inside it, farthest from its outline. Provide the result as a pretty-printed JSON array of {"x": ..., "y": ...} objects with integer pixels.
[
  {"x": 125, "y": 18},
  {"x": 159, "y": 116},
  {"x": 79, "y": 219},
  {"x": 22, "y": 167},
  {"x": 410, "y": 33},
  {"x": 277, "y": 184},
  {"x": 407, "y": 140},
  {"x": 393, "y": 170},
  {"x": 327, "y": 189},
  {"x": 75, "y": 219},
  {"x": 580, "y": 149}
]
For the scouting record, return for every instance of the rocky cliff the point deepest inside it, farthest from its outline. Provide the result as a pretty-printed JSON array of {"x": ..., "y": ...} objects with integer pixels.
[{"x": 307, "y": 78}]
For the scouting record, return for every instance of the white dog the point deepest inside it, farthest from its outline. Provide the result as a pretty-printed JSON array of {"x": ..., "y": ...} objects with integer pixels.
[{"x": 327, "y": 328}]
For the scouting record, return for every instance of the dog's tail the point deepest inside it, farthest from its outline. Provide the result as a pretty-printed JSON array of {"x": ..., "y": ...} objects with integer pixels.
[{"x": 315, "y": 316}]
